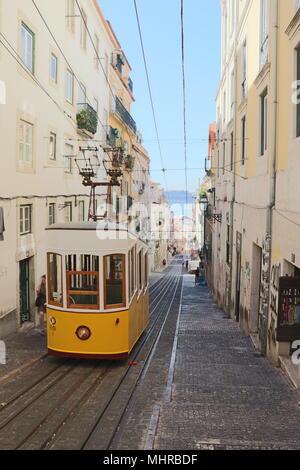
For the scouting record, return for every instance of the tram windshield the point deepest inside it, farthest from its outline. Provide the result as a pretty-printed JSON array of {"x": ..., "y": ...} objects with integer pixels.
[
  {"x": 55, "y": 279},
  {"x": 82, "y": 281}
]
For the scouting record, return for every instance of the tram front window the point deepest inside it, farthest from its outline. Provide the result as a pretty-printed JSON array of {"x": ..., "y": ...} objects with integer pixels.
[
  {"x": 114, "y": 281},
  {"x": 82, "y": 281},
  {"x": 54, "y": 279}
]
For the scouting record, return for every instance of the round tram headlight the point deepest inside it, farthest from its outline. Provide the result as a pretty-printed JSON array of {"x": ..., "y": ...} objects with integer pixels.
[
  {"x": 52, "y": 321},
  {"x": 83, "y": 333}
]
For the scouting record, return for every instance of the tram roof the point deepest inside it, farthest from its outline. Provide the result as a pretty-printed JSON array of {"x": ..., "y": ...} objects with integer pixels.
[{"x": 100, "y": 225}]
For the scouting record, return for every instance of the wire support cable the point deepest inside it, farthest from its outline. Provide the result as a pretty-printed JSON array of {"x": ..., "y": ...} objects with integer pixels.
[
  {"x": 184, "y": 95},
  {"x": 150, "y": 91}
]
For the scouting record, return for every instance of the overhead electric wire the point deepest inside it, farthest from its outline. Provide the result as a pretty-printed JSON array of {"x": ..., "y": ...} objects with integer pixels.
[
  {"x": 184, "y": 95},
  {"x": 149, "y": 90}
]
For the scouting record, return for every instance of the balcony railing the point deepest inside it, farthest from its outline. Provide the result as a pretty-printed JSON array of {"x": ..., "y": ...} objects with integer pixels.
[
  {"x": 129, "y": 162},
  {"x": 125, "y": 115},
  {"x": 130, "y": 84},
  {"x": 87, "y": 118}
]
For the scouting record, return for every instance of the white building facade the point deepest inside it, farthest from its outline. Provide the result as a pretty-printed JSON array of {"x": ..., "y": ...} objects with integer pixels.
[{"x": 55, "y": 98}]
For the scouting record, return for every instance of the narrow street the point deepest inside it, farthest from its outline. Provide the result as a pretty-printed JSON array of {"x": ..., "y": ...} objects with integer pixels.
[
  {"x": 198, "y": 383},
  {"x": 217, "y": 391}
]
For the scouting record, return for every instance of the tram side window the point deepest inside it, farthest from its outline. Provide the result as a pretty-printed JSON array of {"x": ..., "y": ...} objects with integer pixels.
[
  {"x": 55, "y": 296},
  {"x": 132, "y": 271},
  {"x": 114, "y": 281},
  {"x": 82, "y": 281},
  {"x": 140, "y": 270},
  {"x": 146, "y": 269}
]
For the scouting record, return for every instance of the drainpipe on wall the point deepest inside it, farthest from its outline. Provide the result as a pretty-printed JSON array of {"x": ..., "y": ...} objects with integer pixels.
[{"x": 272, "y": 163}]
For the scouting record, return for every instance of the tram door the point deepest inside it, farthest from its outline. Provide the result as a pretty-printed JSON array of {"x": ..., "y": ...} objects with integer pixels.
[{"x": 24, "y": 291}]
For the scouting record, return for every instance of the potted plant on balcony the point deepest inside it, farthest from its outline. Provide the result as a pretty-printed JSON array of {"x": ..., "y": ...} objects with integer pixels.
[
  {"x": 117, "y": 158},
  {"x": 87, "y": 119},
  {"x": 129, "y": 162}
]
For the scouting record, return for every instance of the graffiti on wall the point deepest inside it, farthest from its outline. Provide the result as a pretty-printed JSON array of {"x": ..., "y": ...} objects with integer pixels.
[{"x": 275, "y": 275}]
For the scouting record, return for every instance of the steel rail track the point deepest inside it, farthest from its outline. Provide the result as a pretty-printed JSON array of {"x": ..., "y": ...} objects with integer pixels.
[{"x": 162, "y": 286}]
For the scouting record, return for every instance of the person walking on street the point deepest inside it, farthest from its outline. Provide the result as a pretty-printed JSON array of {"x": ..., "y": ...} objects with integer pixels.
[
  {"x": 41, "y": 302},
  {"x": 197, "y": 276}
]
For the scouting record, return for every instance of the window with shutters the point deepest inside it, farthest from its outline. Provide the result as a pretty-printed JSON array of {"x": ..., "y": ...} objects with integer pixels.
[
  {"x": 25, "y": 219},
  {"x": 264, "y": 42},
  {"x": 243, "y": 141},
  {"x": 25, "y": 142},
  {"x": 27, "y": 47},
  {"x": 263, "y": 122}
]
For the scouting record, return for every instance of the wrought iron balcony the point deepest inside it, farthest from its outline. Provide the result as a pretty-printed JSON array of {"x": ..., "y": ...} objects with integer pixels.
[
  {"x": 125, "y": 115},
  {"x": 87, "y": 118},
  {"x": 130, "y": 84}
]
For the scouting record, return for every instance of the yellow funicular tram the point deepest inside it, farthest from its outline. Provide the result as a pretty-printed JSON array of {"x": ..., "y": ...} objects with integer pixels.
[
  {"x": 97, "y": 288},
  {"x": 97, "y": 284}
]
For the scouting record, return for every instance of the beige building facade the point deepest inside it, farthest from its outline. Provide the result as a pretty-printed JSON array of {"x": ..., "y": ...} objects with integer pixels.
[{"x": 254, "y": 197}]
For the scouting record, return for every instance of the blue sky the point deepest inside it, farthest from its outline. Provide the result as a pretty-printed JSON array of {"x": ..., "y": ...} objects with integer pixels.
[{"x": 160, "y": 24}]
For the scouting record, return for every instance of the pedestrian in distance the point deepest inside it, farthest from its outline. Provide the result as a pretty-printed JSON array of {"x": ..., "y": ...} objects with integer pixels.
[
  {"x": 197, "y": 276},
  {"x": 40, "y": 302}
]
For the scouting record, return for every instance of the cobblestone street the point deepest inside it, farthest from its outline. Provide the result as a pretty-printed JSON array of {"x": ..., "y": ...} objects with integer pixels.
[{"x": 214, "y": 392}]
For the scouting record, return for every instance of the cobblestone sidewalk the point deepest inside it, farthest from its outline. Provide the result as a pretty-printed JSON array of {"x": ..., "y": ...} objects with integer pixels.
[
  {"x": 224, "y": 394},
  {"x": 21, "y": 350},
  {"x": 209, "y": 388}
]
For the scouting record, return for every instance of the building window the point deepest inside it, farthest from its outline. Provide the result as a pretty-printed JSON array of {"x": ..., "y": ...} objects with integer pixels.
[
  {"x": 114, "y": 281},
  {"x": 25, "y": 219},
  {"x": 51, "y": 213},
  {"x": 224, "y": 157},
  {"x": 55, "y": 296},
  {"x": 27, "y": 47},
  {"x": 69, "y": 86},
  {"x": 228, "y": 245},
  {"x": 68, "y": 212},
  {"x": 82, "y": 97},
  {"x": 232, "y": 92},
  {"x": 53, "y": 68},
  {"x": 25, "y": 142},
  {"x": 83, "y": 29},
  {"x": 70, "y": 14},
  {"x": 81, "y": 211},
  {"x": 244, "y": 70},
  {"x": 243, "y": 141},
  {"x": 231, "y": 151},
  {"x": 82, "y": 281},
  {"x": 52, "y": 147},
  {"x": 68, "y": 158},
  {"x": 263, "y": 122},
  {"x": 264, "y": 32},
  {"x": 224, "y": 110},
  {"x": 298, "y": 93}
]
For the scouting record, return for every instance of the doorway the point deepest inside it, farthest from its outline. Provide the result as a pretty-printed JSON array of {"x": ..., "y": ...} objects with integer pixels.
[
  {"x": 238, "y": 275},
  {"x": 255, "y": 288},
  {"x": 24, "y": 287}
]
